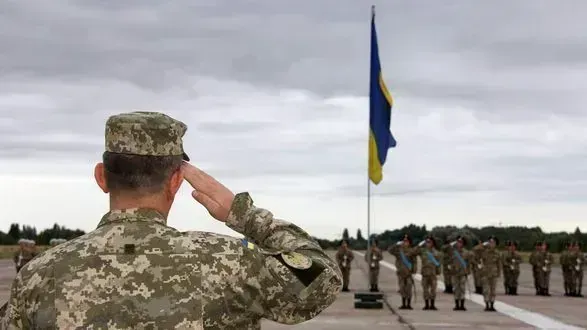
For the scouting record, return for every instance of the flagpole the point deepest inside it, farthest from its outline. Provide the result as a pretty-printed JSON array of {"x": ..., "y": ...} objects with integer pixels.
[{"x": 369, "y": 179}]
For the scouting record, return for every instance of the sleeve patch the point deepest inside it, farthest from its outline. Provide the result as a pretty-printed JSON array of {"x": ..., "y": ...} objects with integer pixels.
[
  {"x": 248, "y": 244},
  {"x": 297, "y": 260}
]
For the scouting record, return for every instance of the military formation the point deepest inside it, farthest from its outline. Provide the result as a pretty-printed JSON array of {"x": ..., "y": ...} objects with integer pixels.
[{"x": 485, "y": 262}]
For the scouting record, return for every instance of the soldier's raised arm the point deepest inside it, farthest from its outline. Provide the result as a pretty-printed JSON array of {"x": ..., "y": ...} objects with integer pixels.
[{"x": 290, "y": 279}]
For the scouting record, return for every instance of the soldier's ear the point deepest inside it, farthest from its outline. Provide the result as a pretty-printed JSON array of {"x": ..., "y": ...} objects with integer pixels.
[{"x": 100, "y": 176}]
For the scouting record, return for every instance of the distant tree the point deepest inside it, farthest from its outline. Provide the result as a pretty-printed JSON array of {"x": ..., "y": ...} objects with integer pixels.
[
  {"x": 345, "y": 234},
  {"x": 14, "y": 231},
  {"x": 360, "y": 235}
]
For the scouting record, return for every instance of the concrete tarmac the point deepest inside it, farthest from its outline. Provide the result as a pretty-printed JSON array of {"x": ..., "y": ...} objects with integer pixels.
[{"x": 525, "y": 311}]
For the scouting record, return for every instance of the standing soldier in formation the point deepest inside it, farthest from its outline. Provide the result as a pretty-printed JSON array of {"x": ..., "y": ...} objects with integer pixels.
[
  {"x": 566, "y": 263},
  {"x": 491, "y": 259},
  {"x": 543, "y": 261},
  {"x": 477, "y": 267},
  {"x": 577, "y": 276},
  {"x": 447, "y": 272},
  {"x": 372, "y": 258},
  {"x": 24, "y": 254},
  {"x": 430, "y": 258},
  {"x": 406, "y": 264},
  {"x": 535, "y": 269},
  {"x": 345, "y": 257},
  {"x": 460, "y": 262},
  {"x": 511, "y": 261}
]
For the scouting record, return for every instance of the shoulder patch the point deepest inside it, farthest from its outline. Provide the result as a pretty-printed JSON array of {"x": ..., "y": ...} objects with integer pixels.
[
  {"x": 296, "y": 260},
  {"x": 248, "y": 244}
]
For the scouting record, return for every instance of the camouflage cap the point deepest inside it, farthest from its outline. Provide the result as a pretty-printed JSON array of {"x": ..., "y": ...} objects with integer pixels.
[{"x": 146, "y": 134}]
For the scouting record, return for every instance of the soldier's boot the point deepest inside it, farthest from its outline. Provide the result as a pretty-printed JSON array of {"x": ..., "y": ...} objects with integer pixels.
[
  {"x": 487, "y": 309},
  {"x": 538, "y": 292},
  {"x": 546, "y": 293},
  {"x": 376, "y": 288},
  {"x": 345, "y": 289},
  {"x": 479, "y": 290},
  {"x": 409, "y": 303},
  {"x": 432, "y": 306},
  {"x": 506, "y": 289},
  {"x": 450, "y": 289},
  {"x": 567, "y": 291},
  {"x": 515, "y": 290},
  {"x": 579, "y": 294},
  {"x": 457, "y": 305},
  {"x": 463, "y": 305},
  {"x": 491, "y": 308},
  {"x": 427, "y": 306},
  {"x": 403, "y": 306}
]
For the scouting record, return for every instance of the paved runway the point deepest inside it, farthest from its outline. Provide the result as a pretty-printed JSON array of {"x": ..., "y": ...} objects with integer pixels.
[{"x": 525, "y": 311}]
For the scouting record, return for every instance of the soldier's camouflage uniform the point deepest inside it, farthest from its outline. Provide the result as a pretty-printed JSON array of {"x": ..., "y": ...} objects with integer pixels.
[
  {"x": 566, "y": 263},
  {"x": 477, "y": 268},
  {"x": 406, "y": 264},
  {"x": 491, "y": 260},
  {"x": 543, "y": 262},
  {"x": 578, "y": 262},
  {"x": 430, "y": 264},
  {"x": 24, "y": 254},
  {"x": 373, "y": 258},
  {"x": 533, "y": 262},
  {"x": 460, "y": 262},
  {"x": 447, "y": 272},
  {"x": 345, "y": 257},
  {"x": 135, "y": 272},
  {"x": 511, "y": 260}
]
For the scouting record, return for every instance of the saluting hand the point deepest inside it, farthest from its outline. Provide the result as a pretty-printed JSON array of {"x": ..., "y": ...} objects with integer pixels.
[{"x": 214, "y": 196}]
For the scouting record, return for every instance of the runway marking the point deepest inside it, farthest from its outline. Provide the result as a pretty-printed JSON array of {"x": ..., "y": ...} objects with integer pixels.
[{"x": 537, "y": 320}]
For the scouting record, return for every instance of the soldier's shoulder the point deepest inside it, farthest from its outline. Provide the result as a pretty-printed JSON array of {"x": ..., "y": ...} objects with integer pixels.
[{"x": 215, "y": 242}]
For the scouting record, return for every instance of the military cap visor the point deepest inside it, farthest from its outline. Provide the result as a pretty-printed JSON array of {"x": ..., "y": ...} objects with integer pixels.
[{"x": 145, "y": 134}]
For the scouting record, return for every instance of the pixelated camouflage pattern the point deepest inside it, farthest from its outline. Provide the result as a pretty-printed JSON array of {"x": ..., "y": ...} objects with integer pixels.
[
  {"x": 135, "y": 272},
  {"x": 145, "y": 133}
]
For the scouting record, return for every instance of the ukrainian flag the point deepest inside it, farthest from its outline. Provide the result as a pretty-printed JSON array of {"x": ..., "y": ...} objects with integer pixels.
[{"x": 380, "y": 103}]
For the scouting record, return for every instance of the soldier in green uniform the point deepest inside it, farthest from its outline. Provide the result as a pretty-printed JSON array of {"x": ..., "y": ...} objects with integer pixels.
[
  {"x": 511, "y": 261},
  {"x": 405, "y": 262},
  {"x": 533, "y": 260},
  {"x": 430, "y": 260},
  {"x": 344, "y": 258},
  {"x": 24, "y": 254},
  {"x": 447, "y": 271},
  {"x": 373, "y": 257},
  {"x": 544, "y": 262},
  {"x": 477, "y": 266},
  {"x": 491, "y": 259},
  {"x": 135, "y": 272},
  {"x": 566, "y": 263},
  {"x": 460, "y": 262},
  {"x": 579, "y": 259}
]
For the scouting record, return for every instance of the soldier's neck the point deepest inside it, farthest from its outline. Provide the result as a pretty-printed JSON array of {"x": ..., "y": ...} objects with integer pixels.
[{"x": 153, "y": 202}]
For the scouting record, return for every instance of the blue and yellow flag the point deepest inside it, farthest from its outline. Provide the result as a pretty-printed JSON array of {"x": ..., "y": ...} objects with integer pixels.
[{"x": 380, "y": 103}]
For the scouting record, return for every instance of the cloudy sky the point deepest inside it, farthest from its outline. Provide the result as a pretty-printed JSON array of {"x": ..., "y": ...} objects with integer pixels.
[{"x": 489, "y": 117}]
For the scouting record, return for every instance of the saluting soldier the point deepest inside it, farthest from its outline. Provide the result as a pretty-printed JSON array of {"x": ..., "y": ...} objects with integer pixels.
[
  {"x": 460, "y": 263},
  {"x": 477, "y": 267},
  {"x": 535, "y": 268},
  {"x": 577, "y": 278},
  {"x": 511, "y": 261},
  {"x": 345, "y": 257},
  {"x": 373, "y": 257},
  {"x": 491, "y": 259},
  {"x": 430, "y": 258},
  {"x": 405, "y": 263},
  {"x": 566, "y": 263}
]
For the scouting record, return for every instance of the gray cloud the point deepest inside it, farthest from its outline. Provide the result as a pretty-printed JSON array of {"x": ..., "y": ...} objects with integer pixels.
[{"x": 488, "y": 95}]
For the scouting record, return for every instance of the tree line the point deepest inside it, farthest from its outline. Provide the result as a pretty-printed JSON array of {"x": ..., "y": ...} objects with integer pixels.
[
  {"x": 16, "y": 232},
  {"x": 525, "y": 236}
]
